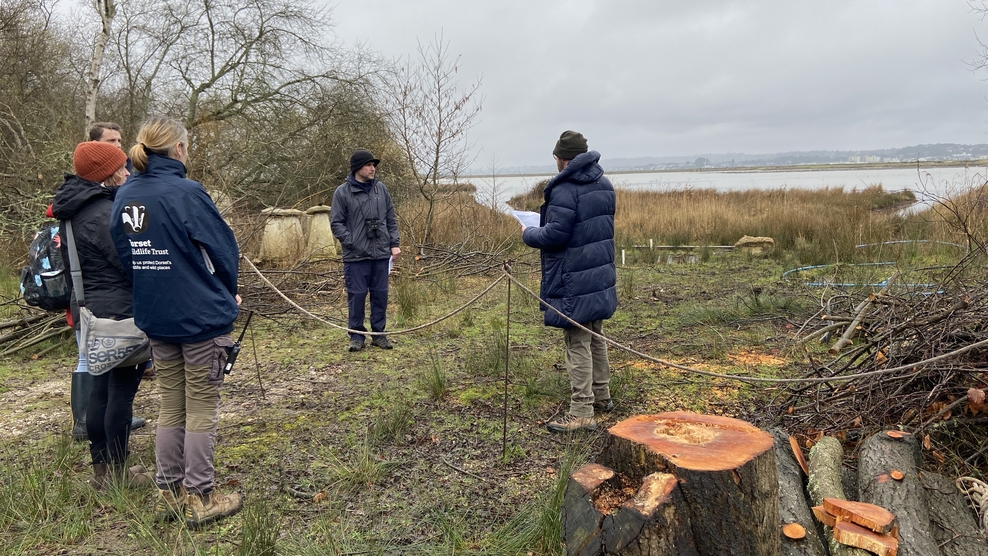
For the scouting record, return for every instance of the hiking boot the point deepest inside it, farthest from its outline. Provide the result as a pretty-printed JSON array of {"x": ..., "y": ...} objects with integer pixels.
[
  {"x": 170, "y": 504},
  {"x": 381, "y": 342},
  {"x": 132, "y": 477},
  {"x": 571, "y": 423},
  {"x": 200, "y": 510},
  {"x": 356, "y": 344},
  {"x": 99, "y": 479},
  {"x": 605, "y": 406}
]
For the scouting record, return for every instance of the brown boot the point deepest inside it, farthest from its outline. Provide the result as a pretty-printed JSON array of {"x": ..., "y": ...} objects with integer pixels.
[
  {"x": 132, "y": 477},
  {"x": 200, "y": 510},
  {"x": 170, "y": 504},
  {"x": 99, "y": 479}
]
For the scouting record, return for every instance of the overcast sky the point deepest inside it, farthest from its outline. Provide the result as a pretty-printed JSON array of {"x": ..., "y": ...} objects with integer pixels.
[{"x": 670, "y": 78}]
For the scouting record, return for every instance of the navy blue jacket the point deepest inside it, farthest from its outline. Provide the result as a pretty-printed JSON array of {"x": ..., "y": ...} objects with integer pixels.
[
  {"x": 355, "y": 207},
  {"x": 576, "y": 236},
  {"x": 162, "y": 224}
]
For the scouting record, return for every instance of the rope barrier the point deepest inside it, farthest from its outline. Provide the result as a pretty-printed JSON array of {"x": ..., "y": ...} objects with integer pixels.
[
  {"x": 748, "y": 378},
  {"x": 618, "y": 345},
  {"x": 389, "y": 333}
]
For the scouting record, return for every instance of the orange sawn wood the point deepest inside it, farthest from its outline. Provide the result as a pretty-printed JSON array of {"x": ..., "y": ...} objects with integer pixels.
[
  {"x": 824, "y": 517},
  {"x": 897, "y": 434},
  {"x": 798, "y": 452},
  {"x": 859, "y": 537},
  {"x": 873, "y": 517},
  {"x": 897, "y": 475},
  {"x": 794, "y": 531}
]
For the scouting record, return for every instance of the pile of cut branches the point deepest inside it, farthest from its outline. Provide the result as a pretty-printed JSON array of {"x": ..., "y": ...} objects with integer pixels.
[
  {"x": 913, "y": 356},
  {"x": 30, "y": 330}
]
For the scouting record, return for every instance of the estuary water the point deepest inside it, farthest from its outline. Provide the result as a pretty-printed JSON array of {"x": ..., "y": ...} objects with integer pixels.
[{"x": 925, "y": 182}]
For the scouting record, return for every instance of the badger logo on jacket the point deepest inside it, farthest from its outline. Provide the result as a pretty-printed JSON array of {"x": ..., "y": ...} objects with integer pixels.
[{"x": 133, "y": 215}]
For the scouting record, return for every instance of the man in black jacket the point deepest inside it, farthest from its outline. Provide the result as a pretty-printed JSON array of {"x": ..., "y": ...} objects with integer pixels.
[{"x": 363, "y": 219}]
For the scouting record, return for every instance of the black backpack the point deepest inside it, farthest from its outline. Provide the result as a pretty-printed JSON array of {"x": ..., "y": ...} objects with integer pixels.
[{"x": 45, "y": 278}]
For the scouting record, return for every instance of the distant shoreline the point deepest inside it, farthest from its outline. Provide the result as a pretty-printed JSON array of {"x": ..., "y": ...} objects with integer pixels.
[{"x": 762, "y": 169}]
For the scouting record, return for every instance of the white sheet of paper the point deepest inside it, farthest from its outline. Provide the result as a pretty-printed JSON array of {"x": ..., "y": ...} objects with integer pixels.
[
  {"x": 391, "y": 264},
  {"x": 527, "y": 219}
]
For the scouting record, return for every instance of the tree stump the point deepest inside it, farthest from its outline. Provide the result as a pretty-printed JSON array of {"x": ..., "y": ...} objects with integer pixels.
[
  {"x": 954, "y": 526},
  {"x": 725, "y": 468},
  {"x": 906, "y": 498},
  {"x": 581, "y": 518},
  {"x": 793, "y": 505},
  {"x": 653, "y": 523},
  {"x": 603, "y": 514}
]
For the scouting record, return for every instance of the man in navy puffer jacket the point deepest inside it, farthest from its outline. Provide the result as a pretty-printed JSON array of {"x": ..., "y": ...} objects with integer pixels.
[{"x": 576, "y": 236}]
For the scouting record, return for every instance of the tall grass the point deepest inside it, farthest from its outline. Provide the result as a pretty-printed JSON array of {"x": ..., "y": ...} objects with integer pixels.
[{"x": 819, "y": 225}]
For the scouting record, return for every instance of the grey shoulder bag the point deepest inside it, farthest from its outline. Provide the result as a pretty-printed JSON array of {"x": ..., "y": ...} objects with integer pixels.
[{"x": 106, "y": 343}]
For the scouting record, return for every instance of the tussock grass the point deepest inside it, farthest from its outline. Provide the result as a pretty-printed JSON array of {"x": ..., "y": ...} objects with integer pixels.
[
  {"x": 393, "y": 424},
  {"x": 432, "y": 378},
  {"x": 261, "y": 526},
  {"x": 356, "y": 467}
]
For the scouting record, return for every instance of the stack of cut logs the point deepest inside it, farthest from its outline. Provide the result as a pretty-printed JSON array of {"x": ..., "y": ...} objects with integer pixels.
[{"x": 687, "y": 484}]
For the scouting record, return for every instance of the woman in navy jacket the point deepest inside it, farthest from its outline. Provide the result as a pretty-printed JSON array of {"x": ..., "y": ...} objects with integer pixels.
[{"x": 183, "y": 259}]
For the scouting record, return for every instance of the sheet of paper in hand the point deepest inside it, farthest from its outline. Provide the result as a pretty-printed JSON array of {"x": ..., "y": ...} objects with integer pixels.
[{"x": 527, "y": 219}]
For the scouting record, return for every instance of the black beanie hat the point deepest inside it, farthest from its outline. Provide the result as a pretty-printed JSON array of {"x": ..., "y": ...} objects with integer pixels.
[
  {"x": 359, "y": 158},
  {"x": 569, "y": 145}
]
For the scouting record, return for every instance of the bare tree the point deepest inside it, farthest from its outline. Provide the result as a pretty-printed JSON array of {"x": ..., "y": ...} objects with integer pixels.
[
  {"x": 431, "y": 117},
  {"x": 106, "y": 10}
]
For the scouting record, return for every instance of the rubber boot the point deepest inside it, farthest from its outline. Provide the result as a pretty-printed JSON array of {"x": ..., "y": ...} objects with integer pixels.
[{"x": 82, "y": 387}]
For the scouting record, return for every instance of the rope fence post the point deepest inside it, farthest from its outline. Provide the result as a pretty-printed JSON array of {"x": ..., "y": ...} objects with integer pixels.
[{"x": 507, "y": 358}]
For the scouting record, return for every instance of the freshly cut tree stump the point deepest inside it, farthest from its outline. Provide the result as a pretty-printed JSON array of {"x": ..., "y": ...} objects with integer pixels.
[
  {"x": 954, "y": 528},
  {"x": 653, "y": 523},
  {"x": 793, "y": 504},
  {"x": 600, "y": 516},
  {"x": 726, "y": 471},
  {"x": 581, "y": 519},
  {"x": 824, "y": 481},
  {"x": 906, "y": 498}
]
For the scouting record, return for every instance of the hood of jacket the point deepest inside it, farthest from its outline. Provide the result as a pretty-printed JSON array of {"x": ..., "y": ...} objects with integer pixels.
[
  {"x": 75, "y": 193},
  {"x": 582, "y": 169}
]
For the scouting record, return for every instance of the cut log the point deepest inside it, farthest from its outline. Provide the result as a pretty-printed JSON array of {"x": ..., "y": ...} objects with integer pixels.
[
  {"x": 854, "y": 535},
  {"x": 824, "y": 517},
  {"x": 794, "y": 507},
  {"x": 653, "y": 523},
  {"x": 726, "y": 470},
  {"x": 581, "y": 519},
  {"x": 825, "y": 482},
  {"x": 869, "y": 516},
  {"x": 954, "y": 526},
  {"x": 906, "y": 499},
  {"x": 794, "y": 531}
]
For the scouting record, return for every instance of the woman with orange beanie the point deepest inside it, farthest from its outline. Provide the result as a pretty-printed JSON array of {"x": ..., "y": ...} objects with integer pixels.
[{"x": 85, "y": 199}]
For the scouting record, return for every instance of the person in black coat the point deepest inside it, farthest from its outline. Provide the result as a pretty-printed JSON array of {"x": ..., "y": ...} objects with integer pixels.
[
  {"x": 576, "y": 237},
  {"x": 85, "y": 199}
]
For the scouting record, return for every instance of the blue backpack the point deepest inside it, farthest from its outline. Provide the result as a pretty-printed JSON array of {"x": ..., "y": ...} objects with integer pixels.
[{"x": 45, "y": 278}]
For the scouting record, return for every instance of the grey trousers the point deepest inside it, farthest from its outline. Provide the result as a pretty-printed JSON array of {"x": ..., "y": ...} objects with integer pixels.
[
  {"x": 589, "y": 371},
  {"x": 189, "y": 379}
]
